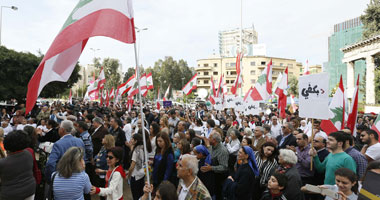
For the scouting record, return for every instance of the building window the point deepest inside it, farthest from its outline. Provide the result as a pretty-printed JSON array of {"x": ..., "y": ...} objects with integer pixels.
[
  {"x": 215, "y": 64},
  {"x": 199, "y": 73},
  {"x": 205, "y": 65},
  {"x": 227, "y": 64},
  {"x": 253, "y": 63},
  {"x": 233, "y": 73},
  {"x": 232, "y": 64},
  {"x": 205, "y": 73},
  {"x": 227, "y": 81},
  {"x": 205, "y": 81},
  {"x": 199, "y": 65},
  {"x": 281, "y": 64},
  {"x": 215, "y": 73},
  {"x": 262, "y": 62},
  {"x": 290, "y": 65},
  {"x": 253, "y": 72},
  {"x": 199, "y": 82},
  {"x": 253, "y": 81}
]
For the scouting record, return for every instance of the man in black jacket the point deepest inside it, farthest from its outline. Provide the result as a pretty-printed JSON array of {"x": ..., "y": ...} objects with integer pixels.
[
  {"x": 287, "y": 139},
  {"x": 120, "y": 139}
]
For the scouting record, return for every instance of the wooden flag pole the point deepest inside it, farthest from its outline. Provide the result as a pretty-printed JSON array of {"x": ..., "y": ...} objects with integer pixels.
[{"x": 312, "y": 143}]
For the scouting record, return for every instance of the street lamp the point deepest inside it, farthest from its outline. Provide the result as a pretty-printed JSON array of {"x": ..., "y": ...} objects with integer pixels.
[
  {"x": 138, "y": 30},
  {"x": 94, "y": 50},
  {"x": 1, "y": 16}
]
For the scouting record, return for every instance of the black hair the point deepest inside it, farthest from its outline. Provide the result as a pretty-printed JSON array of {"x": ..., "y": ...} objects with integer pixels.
[
  {"x": 198, "y": 121},
  {"x": 52, "y": 123},
  {"x": 372, "y": 165},
  {"x": 191, "y": 133},
  {"x": 167, "y": 191},
  {"x": 30, "y": 131},
  {"x": 83, "y": 125},
  {"x": 267, "y": 127},
  {"x": 118, "y": 153},
  {"x": 90, "y": 117},
  {"x": 349, "y": 138},
  {"x": 274, "y": 154},
  {"x": 339, "y": 136},
  {"x": 249, "y": 141},
  {"x": 372, "y": 132},
  {"x": 211, "y": 122},
  {"x": 282, "y": 179},
  {"x": 16, "y": 141},
  {"x": 361, "y": 127},
  {"x": 196, "y": 141},
  {"x": 129, "y": 120},
  {"x": 139, "y": 139},
  {"x": 350, "y": 175},
  {"x": 304, "y": 136},
  {"x": 300, "y": 131},
  {"x": 185, "y": 146},
  {"x": 156, "y": 128}
]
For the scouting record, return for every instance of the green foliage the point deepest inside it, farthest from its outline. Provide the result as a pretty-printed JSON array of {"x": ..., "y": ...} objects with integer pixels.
[
  {"x": 111, "y": 71},
  {"x": 371, "y": 19},
  {"x": 377, "y": 86},
  {"x": 293, "y": 85},
  {"x": 164, "y": 73},
  {"x": 17, "y": 68}
]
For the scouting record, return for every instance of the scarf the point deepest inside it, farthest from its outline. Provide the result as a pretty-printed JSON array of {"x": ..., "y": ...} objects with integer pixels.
[
  {"x": 203, "y": 150},
  {"x": 252, "y": 160}
]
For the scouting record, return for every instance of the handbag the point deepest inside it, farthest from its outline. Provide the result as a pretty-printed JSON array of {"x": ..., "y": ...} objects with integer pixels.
[{"x": 51, "y": 194}]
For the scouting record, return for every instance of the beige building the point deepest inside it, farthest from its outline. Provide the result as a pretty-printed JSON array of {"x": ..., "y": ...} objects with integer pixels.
[
  {"x": 314, "y": 69},
  {"x": 252, "y": 69}
]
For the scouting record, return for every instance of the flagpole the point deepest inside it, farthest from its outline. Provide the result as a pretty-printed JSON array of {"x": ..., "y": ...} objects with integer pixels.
[
  {"x": 241, "y": 46},
  {"x": 142, "y": 119}
]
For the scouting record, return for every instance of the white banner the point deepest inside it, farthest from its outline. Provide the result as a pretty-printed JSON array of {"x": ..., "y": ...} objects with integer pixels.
[
  {"x": 239, "y": 104},
  {"x": 251, "y": 107},
  {"x": 314, "y": 96},
  {"x": 218, "y": 103},
  {"x": 229, "y": 101}
]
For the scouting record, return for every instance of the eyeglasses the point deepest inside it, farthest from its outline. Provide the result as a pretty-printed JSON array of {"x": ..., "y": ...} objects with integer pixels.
[{"x": 110, "y": 157}]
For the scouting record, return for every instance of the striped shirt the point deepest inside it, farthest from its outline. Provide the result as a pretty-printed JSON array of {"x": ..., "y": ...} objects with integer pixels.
[
  {"x": 219, "y": 158},
  {"x": 86, "y": 138},
  {"x": 71, "y": 188},
  {"x": 265, "y": 168}
]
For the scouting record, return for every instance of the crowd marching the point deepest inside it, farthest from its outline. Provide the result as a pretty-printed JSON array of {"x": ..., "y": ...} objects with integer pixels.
[{"x": 84, "y": 150}]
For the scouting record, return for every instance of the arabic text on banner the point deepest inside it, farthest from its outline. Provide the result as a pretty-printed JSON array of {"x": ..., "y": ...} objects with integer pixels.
[
  {"x": 218, "y": 103},
  {"x": 229, "y": 101},
  {"x": 314, "y": 96},
  {"x": 251, "y": 107},
  {"x": 239, "y": 104}
]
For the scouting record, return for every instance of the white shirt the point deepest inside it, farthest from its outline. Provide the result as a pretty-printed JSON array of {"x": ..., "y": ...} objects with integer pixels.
[
  {"x": 43, "y": 128},
  {"x": 20, "y": 127},
  {"x": 184, "y": 190},
  {"x": 128, "y": 132},
  {"x": 7, "y": 130},
  {"x": 275, "y": 130},
  {"x": 233, "y": 146},
  {"x": 374, "y": 151}
]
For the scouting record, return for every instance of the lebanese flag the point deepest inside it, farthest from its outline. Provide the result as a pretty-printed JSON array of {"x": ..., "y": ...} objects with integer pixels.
[
  {"x": 352, "y": 117},
  {"x": 306, "y": 70},
  {"x": 293, "y": 106},
  {"x": 238, "y": 82},
  {"x": 239, "y": 57},
  {"x": 337, "y": 110},
  {"x": 220, "y": 88},
  {"x": 248, "y": 94},
  {"x": 212, "y": 91},
  {"x": 101, "y": 79},
  {"x": 103, "y": 97},
  {"x": 112, "y": 94},
  {"x": 149, "y": 81},
  {"x": 263, "y": 87},
  {"x": 135, "y": 88},
  {"x": 70, "y": 98},
  {"x": 191, "y": 85},
  {"x": 166, "y": 93},
  {"x": 281, "y": 92},
  {"x": 89, "y": 18},
  {"x": 158, "y": 99},
  {"x": 107, "y": 99},
  {"x": 93, "y": 78},
  {"x": 125, "y": 87},
  {"x": 376, "y": 125}
]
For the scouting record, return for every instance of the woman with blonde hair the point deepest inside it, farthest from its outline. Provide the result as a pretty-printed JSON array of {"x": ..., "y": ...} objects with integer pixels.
[
  {"x": 71, "y": 181},
  {"x": 164, "y": 124}
]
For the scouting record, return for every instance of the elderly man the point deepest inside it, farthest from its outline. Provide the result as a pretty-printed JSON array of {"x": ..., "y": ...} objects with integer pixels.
[
  {"x": 275, "y": 127},
  {"x": 43, "y": 114},
  {"x": 60, "y": 147},
  {"x": 287, "y": 139},
  {"x": 98, "y": 134},
  {"x": 219, "y": 161},
  {"x": 259, "y": 139},
  {"x": 190, "y": 186}
]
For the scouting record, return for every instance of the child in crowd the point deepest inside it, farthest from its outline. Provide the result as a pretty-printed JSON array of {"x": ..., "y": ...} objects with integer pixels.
[{"x": 276, "y": 185}]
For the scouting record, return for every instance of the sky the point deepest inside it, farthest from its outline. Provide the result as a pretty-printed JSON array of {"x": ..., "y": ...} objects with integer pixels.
[{"x": 188, "y": 30}]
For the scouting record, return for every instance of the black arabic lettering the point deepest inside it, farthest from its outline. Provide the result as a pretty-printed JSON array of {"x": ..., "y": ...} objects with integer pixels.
[
  {"x": 310, "y": 90},
  {"x": 250, "y": 107},
  {"x": 229, "y": 100}
]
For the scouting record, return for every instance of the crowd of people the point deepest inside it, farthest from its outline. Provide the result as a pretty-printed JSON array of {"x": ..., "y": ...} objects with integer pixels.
[{"x": 80, "y": 150}]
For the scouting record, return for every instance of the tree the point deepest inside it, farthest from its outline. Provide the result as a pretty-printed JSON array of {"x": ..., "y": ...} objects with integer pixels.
[
  {"x": 111, "y": 71},
  {"x": 293, "y": 85},
  {"x": 130, "y": 73},
  {"x": 17, "y": 69},
  {"x": 371, "y": 23}
]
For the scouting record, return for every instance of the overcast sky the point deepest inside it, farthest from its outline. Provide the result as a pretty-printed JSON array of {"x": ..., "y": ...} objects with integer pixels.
[{"x": 188, "y": 29}]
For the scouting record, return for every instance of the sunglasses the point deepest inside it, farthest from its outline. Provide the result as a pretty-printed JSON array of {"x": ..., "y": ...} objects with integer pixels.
[{"x": 110, "y": 157}]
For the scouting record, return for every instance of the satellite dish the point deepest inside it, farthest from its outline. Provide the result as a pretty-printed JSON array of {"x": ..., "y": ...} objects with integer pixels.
[{"x": 202, "y": 93}]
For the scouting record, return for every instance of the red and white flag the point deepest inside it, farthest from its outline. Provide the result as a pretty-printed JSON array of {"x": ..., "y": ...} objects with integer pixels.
[
  {"x": 337, "y": 111},
  {"x": 158, "y": 99},
  {"x": 282, "y": 94},
  {"x": 239, "y": 67},
  {"x": 376, "y": 125},
  {"x": 112, "y": 94},
  {"x": 70, "y": 98},
  {"x": 212, "y": 91},
  {"x": 108, "y": 100},
  {"x": 166, "y": 93},
  {"x": 219, "y": 92},
  {"x": 89, "y": 18},
  {"x": 248, "y": 94},
  {"x": 101, "y": 79},
  {"x": 135, "y": 87},
  {"x": 149, "y": 81},
  {"x": 191, "y": 85},
  {"x": 306, "y": 70},
  {"x": 293, "y": 106},
  {"x": 263, "y": 87},
  {"x": 352, "y": 117}
]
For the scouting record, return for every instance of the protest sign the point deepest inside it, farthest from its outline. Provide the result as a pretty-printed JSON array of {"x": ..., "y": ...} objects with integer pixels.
[
  {"x": 229, "y": 101},
  {"x": 218, "y": 103},
  {"x": 251, "y": 107},
  {"x": 239, "y": 104}
]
